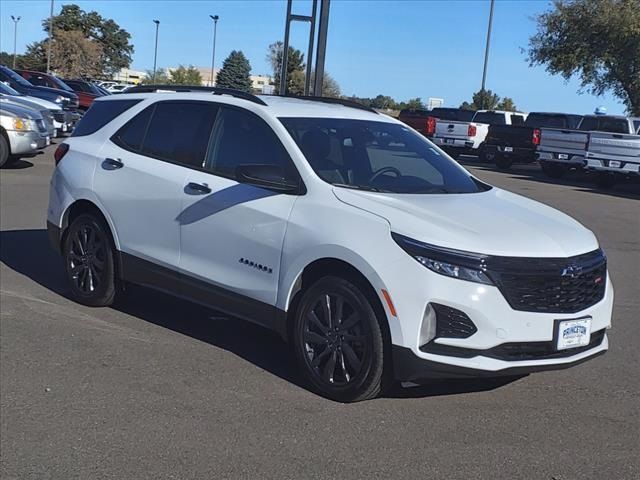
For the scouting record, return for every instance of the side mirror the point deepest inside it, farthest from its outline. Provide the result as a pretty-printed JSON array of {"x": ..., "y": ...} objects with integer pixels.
[{"x": 271, "y": 177}]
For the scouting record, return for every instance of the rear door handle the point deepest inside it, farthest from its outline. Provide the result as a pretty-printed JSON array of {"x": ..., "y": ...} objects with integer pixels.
[
  {"x": 112, "y": 164},
  {"x": 197, "y": 188}
]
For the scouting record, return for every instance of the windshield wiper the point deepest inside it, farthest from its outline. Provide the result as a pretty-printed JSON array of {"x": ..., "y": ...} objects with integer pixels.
[
  {"x": 362, "y": 187},
  {"x": 433, "y": 190}
]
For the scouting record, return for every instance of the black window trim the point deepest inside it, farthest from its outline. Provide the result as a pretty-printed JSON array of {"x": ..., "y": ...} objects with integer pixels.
[{"x": 302, "y": 189}]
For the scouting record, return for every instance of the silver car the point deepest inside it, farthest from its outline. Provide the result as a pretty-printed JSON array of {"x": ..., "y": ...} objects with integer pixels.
[{"x": 22, "y": 131}]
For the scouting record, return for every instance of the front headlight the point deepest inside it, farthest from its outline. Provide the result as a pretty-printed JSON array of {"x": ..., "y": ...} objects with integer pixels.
[
  {"x": 451, "y": 263},
  {"x": 23, "y": 124},
  {"x": 59, "y": 99}
]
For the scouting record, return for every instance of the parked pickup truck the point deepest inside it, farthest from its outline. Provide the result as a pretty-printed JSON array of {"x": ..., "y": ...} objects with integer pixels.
[
  {"x": 424, "y": 121},
  {"x": 613, "y": 155},
  {"x": 507, "y": 144},
  {"x": 563, "y": 150},
  {"x": 458, "y": 138}
]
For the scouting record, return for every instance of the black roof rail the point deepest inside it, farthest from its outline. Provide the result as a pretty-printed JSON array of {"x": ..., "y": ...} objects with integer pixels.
[
  {"x": 196, "y": 88},
  {"x": 336, "y": 101}
]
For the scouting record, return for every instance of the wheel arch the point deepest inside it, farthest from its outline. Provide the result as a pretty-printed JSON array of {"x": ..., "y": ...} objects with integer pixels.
[{"x": 84, "y": 205}]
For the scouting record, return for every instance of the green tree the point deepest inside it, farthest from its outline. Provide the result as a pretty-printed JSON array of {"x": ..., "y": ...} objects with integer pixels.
[
  {"x": 507, "y": 105},
  {"x": 235, "y": 72},
  {"x": 598, "y": 40},
  {"x": 35, "y": 58},
  {"x": 185, "y": 76},
  {"x": 295, "y": 67},
  {"x": 413, "y": 104},
  {"x": 384, "y": 102},
  {"x": 161, "y": 78},
  {"x": 330, "y": 87},
  {"x": 483, "y": 100},
  {"x": 6, "y": 58},
  {"x": 113, "y": 40}
]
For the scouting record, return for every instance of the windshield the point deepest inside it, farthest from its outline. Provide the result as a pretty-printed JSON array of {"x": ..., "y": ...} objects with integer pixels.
[
  {"x": 453, "y": 114},
  {"x": 7, "y": 90},
  {"x": 377, "y": 156},
  {"x": 15, "y": 77}
]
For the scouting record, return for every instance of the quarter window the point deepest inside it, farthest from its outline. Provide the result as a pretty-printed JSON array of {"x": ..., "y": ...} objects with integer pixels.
[
  {"x": 130, "y": 136},
  {"x": 100, "y": 114}
]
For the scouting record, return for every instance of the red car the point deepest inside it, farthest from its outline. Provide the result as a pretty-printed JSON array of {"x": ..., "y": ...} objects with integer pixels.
[
  {"x": 47, "y": 80},
  {"x": 86, "y": 91}
]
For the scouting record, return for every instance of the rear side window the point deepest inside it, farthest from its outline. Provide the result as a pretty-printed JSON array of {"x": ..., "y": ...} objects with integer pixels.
[
  {"x": 130, "y": 136},
  {"x": 517, "y": 119},
  {"x": 100, "y": 114},
  {"x": 179, "y": 132}
]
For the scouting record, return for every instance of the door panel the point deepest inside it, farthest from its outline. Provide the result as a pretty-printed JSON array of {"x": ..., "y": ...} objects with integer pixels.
[
  {"x": 233, "y": 236},
  {"x": 143, "y": 198}
]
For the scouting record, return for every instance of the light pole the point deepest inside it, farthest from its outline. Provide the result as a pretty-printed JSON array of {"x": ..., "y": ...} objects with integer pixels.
[
  {"x": 215, "y": 19},
  {"x": 50, "y": 39},
  {"x": 15, "y": 37},
  {"x": 486, "y": 53},
  {"x": 155, "y": 54}
]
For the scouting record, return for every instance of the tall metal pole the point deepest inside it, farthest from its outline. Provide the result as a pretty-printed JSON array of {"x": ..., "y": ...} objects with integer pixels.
[
  {"x": 155, "y": 53},
  {"x": 213, "y": 54},
  {"x": 15, "y": 37},
  {"x": 312, "y": 33},
  {"x": 322, "y": 47},
  {"x": 486, "y": 52},
  {"x": 285, "y": 53},
  {"x": 50, "y": 39}
]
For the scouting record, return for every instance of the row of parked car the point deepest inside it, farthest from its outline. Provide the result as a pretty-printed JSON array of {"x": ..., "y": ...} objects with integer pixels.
[
  {"x": 608, "y": 145},
  {"x": 36, "y": 107}
]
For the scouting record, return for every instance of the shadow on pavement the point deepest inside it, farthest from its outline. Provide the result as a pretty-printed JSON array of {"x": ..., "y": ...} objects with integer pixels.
[
  {"x": 17, "y": 164},
  {"x": 28, "y": 252},
  {"x": 580, "y": 181}
]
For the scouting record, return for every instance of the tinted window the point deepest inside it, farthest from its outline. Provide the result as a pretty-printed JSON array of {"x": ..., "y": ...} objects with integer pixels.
[
  {"x": 242, "y": 138},
  {"x": 100, "y": 114},
  {"x": 453, "y": 114},
  {"x": 131, "y": 135},
  {"x": 605, "y": 124},
  {"x": 636, "y": 126},
  {"x": 180, "y": 131},
  {"x": 541, "y": 120},
  {"x": 377, "y": 156},
  {"x": 13, "y": 78},
  {"x": 517, "y": 119},
  {"x": 492, "y": 118}
]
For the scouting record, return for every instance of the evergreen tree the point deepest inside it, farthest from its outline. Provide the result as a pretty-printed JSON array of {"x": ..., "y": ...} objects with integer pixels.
[{"x": 235, "y": 72}]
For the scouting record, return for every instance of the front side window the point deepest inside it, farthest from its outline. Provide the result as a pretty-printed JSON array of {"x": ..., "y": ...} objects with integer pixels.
[
  {"x": 377, "y": 156},
  {"x": 242, "y": 138},
  {"x": 179, "y": 132}
]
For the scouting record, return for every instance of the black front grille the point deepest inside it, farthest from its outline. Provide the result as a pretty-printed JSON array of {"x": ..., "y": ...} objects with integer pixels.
[
  {"x": 59, "y": 116},
  {"x": 516, "y": 351},
  {"x": 452, "y": 323},
  {"x": 550, "y": 285}
]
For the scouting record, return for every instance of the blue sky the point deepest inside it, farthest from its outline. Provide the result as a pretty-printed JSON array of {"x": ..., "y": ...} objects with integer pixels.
[{"x": 404, "y": 49}]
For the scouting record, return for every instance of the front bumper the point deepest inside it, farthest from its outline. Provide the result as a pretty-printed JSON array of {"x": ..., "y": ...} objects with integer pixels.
[
  {"x": 412, "y": 288},
  {"x": 26, "y": 142}
]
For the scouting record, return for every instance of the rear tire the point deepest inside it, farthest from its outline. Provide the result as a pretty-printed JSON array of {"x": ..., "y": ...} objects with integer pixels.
[
  {"x": 338, "y": 341},
  {"x": 89, "y": 258},
  {"x": 503, "y": 163},
  {"x": 553, "y": 169},
  {"x": 606, "y": 180},
  {"x": 486, "y": 156},
  {"x": 4, "y": 150}
]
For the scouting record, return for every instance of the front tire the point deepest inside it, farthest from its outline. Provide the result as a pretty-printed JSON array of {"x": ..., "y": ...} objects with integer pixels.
[
  {"x": 338, "y": 341},
  {"x": 503, "y": 163},
  {"x": 89, "y": 259},
  {"x": 606, "y": 180},
  {"x": 553, "y": 169},
  {"x": 4, "y": 150}
]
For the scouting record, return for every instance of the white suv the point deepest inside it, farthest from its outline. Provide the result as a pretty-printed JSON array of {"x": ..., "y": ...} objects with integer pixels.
[{"x": 364, "y": 245}]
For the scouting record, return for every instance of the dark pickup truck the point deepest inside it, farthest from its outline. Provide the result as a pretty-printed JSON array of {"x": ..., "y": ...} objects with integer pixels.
[
  {"x": 507, "y": 144},
  {"x": 424, "y": 121}
]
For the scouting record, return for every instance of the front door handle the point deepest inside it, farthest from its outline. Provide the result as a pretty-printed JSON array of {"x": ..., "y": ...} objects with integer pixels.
[
  {"x": 197, "y": 188},
  {"x": 112, "y": 164}
]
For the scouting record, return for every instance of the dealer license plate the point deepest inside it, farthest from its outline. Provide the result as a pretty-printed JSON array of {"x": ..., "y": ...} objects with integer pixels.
[
  {"x": 449, "y": 141},
  {"x": 615, "y": 164},
  {"x": 563, "y": 156},
  {"x": 574, "y": 333},
  {"x": 508, "y": 149}
]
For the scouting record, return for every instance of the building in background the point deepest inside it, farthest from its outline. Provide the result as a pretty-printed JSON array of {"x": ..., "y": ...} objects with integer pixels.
[{"x": 131, "y": 77}]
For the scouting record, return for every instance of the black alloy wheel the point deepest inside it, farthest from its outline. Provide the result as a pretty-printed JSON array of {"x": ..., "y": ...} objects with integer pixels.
[
  {"x": 89, "y": 261},
  {"x": 339, "y": 341}
]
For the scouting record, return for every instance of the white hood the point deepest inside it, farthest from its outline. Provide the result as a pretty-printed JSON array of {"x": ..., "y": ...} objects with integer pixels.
[{"x": 495, "y": 222}]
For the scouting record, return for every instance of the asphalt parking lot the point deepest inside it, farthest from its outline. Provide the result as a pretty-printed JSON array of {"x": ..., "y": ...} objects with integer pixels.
[{"x": 157, "y": 388}]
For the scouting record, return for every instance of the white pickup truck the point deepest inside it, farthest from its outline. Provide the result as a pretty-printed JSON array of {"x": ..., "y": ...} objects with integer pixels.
[
  {"x": 560, "y": 151},
  {"x": 458, "y": 138}
]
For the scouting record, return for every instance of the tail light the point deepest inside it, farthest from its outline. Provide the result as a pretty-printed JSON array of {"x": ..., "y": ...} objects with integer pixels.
[
  {"x": 431, "y": 125},
  {"x": 535, "y": 139},
  {"x": 60, "y": 152},
  {"x": 472, "y": 130}
]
